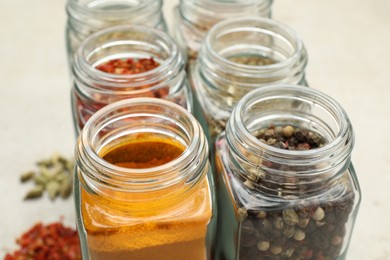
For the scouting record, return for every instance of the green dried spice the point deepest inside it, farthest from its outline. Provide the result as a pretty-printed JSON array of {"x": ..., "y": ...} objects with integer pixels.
[{"x": 54, "y": 176}]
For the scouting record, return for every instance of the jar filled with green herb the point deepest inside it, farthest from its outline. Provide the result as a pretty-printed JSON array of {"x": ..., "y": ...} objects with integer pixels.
[
  {"x": 195, "y": 17},
  {"x": 240, "y": 55},
  {"x": 88, "y": 16},
  {"x": 285, "y": 181},
  {"x": 127, "y": 61}
]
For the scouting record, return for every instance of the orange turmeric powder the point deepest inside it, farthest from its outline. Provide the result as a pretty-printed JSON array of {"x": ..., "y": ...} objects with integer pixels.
[{"x": 116, "y": 230}]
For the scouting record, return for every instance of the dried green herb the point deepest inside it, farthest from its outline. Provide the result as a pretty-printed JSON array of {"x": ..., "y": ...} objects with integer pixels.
[
  {"x": 27, "y": 176},
  {"x": 54, "y": 176},
  {"x": 35, "y": 192}
]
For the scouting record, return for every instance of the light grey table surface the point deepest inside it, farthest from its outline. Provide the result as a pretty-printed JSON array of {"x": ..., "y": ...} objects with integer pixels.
[{"x": 348, "y": 44}]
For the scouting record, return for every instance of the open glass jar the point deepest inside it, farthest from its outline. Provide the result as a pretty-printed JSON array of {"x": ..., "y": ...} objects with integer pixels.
[
  {"x": 195, "y": 17},
  {"x": 124, "y": 62},
  {"x": 285, "y": 182},
  {"x": 143, "y": 186},
  {"x": 237, "y": 56},
  {"x": 88, "y": 16}
]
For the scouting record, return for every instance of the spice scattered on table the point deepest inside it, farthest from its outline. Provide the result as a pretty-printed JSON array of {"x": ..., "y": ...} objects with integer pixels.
[
  {"x": 53, "y": 241},
  {"x": 53, "y": 177}
]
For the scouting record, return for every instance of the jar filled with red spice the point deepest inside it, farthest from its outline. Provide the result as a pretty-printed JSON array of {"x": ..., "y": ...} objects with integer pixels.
[
  {"x": 88, "y": 16},
  {"x": 143, "y": 186},
  {"x": 125, "y": 62}
]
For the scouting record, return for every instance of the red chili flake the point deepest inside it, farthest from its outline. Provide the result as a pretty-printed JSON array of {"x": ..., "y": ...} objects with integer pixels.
[
  {"x": 128, "y": 66},
  {"x": 87, "y": 107},
  {"x": 51, "y": 242}
]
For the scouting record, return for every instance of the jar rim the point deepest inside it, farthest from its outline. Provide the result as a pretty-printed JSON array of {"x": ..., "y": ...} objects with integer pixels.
[
  {"x": 224, "y": 9},
  {"x": 74, "y": 7},
  {"x": 81, "y": 66},
  {"x": 249, "y": 22},
  {"x": 344, "y": 139},
  {"x": 134, "y": 176}
]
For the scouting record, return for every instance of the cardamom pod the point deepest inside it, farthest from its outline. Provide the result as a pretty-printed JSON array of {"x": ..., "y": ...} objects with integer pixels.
[
  {"x": 46, "y": 172},
  {"x": 54, "y": 176},
  {"x": 55, "y": 158},
  {"x": 27, "y": 176},
  {"x": 35, "y": 192},
  {"x": 61, "y": 177},
  {"x": 53, "y": 189},
  {"x": 40, "y": 180},
  {"x": 44, "y": 162},
  {"x": 66, "y": 188}
]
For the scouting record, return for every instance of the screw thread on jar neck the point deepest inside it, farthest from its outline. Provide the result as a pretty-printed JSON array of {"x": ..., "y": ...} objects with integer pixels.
[
  {"x": 206, "y": 12},
  {"x": 278, "y": 51},
  {"x": 139, "y": 116},
  {"x": 257, "y": 37},
  {"x": 88, "y": 16},
  {"x": 128, "y": 42},
  {"x": 284, "y": 170}
]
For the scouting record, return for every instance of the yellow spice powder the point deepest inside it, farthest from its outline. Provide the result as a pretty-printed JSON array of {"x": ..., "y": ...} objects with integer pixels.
[{"x": 114, "y": 232}]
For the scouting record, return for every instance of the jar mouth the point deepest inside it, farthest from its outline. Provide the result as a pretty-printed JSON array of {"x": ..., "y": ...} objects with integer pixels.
[
  {"x": 284, "y": 104},
  {"x": 258, "y": 36},
  {"x": 105, "y": 9},
  {"x": 143, "y": 115},
  {"x": 214, "y": 10},
  {"x": 127, "y": 41}
]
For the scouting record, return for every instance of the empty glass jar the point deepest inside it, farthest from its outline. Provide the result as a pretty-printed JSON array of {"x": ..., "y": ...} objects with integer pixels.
[
  {"x": 124, "y": 62},
  {"x": 143, "y": 186},
  {"x": 239, "y": 55},
  {"x": 88, "y": 16},
  {"x": 285, "y": 181},
  {"x": 195, "y": 17}
]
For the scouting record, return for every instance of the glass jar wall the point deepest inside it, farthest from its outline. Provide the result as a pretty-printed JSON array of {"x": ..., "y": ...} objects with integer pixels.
[
  {"x": 237, "y": 56},
  {"x": 195, "y": 17},
  {"x": 286, "y": 185},
  {"x": 88, "y": 16},
  {"x": 124, "y": 62},
  {"x": 143, "y": 187}
]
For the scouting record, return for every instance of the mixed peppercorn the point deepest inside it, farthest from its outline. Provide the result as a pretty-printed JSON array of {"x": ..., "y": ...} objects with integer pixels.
[{"x": 301, "y": 229}]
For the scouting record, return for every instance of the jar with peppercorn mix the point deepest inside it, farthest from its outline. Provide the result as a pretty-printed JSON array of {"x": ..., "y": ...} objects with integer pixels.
[
  {"x": 237, "y": 56},
  {"x": 193, "y": 18},
  {"x": 124, "y": 62},
  {"x": 285, "y": 182},
  {"x": 143, "y": 186},
  {"x": 88, "y": 16}
]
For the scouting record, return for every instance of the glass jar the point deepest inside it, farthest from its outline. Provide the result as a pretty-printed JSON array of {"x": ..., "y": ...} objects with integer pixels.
[
  {"x": 237, "y": 56},
  {"x": 142, "y": 183},
  {"x": 88, "y": 16},
  {"x": 286, "y": 186},
  {"x": 193, "y": 18},
  {"x": 95, "y": 87}
]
